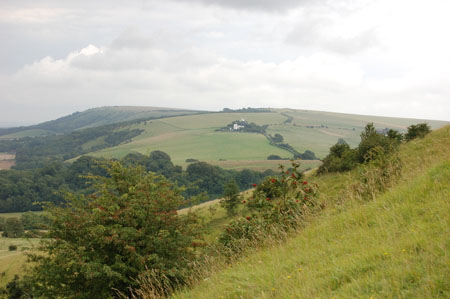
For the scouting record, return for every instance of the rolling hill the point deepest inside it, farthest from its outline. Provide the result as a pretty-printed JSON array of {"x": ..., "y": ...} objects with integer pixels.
[
  {"x": 113, "y": 132},
  {"x": 395, "y": 246},
  {"x": 195, "y": 136},
  {"x": 91, "y": 118}
]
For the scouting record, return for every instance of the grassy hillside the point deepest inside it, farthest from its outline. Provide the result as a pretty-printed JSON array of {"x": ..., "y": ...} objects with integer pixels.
[
  {"x": 396, "y": 246},
  {"x": 194, "y": 136},
  {"x": 91, "y": 118}
]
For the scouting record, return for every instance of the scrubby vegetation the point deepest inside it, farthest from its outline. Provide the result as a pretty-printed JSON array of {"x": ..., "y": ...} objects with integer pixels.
[{"x": 344, "y": 158}]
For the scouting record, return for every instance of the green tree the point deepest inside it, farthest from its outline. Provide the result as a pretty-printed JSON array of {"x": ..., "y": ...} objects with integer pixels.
[
  {"x": 231, "y": 197},
  {"x": 419, "y": 130},
  {"x": 13, "y": 228},
  {"x": 340, "y": 158},
  {"x": 278, "y": 138},
  {"x": 102, "y": 242},
  {"x": 371, "y": 139}
]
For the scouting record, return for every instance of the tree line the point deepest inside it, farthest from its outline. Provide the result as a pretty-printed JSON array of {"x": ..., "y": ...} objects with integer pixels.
[
  {"x": 22, "y": 190},
  {"x": 344, "y": 158}
]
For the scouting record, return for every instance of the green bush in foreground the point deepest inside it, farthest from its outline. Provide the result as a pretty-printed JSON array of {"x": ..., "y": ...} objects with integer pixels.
[
  {"x": 101, "y": 243},
  {"x": 276, "y": 206}
]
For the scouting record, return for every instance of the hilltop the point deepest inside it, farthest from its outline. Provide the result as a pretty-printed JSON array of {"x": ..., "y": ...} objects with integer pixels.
[{"x": 90, "y": 118}]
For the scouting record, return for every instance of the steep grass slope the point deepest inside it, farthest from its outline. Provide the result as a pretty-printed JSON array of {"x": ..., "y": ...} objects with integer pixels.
[{"x": 396, "y": 246}]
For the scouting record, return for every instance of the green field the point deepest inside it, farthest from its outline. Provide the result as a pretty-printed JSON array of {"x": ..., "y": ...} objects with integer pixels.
[
  {"x": 12, "y": 262},
  {"x": 194, "y": 136},
  {"x": 395, "y": 246}
]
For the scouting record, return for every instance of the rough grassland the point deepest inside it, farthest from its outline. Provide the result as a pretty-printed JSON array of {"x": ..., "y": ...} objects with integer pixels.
[{"x": 396, "y": 246}]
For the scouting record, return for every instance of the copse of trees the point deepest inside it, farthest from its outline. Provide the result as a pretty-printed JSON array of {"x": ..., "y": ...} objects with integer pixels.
[
  {"x": 344, "y": 158},
  {"x": 417, "y": 131},
  {"x": 21, "y": 190}
]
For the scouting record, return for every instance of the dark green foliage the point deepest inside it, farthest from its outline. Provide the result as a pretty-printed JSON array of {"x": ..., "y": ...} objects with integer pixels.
[
  {"x": 395, "y": 136},
  {"x": 13, "y": 228},
  {"x": 2, "y": 223},
  {"x": 308, "y": 155},
  {"x": 274, "y": 157},
  {"x": 343, "y": 158},
  {"x": 17, "y": 289},
  {"x": 38, "y": 151},
  {"x": 99, "y": 117},
  {"x": 12, "y": 247},
  {"x": 231, "y": 198},
  {"x": 246, "y": 127},
  {"x": 190, "y": 160},
  {"x": 340, "y": 158},
  {"x": 21, "y": 190},
  {"x": 35, "y": 221},
  {"x": 370, "y": 139},
  {"x": 417, "y": 131},
  {"x": 277, "y": 138},
  {"x": 276, "y": 206},
  {"x": 100, "y": 243}
]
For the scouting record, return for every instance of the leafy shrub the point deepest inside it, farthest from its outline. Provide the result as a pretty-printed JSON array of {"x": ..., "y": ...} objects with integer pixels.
[
  {"x": 340, "y": 158},
  {"x": 277, "y": 204},
  {"x": 382, "y": 172},
  {"x": 12, "y": 247},
  {"x": 343, "y": 158},
  {"x": 191, "y": 160},
  {"x": 274, "y": 157},
  {"x": 231, "y": 198},
  {"x": 415, "y": 131},
  {"x": 98, "y": 244},
  {"x": 13, "y": 228}
]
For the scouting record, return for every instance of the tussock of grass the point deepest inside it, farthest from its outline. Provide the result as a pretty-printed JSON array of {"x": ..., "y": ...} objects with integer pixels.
[{"x": 396, "y": 246}]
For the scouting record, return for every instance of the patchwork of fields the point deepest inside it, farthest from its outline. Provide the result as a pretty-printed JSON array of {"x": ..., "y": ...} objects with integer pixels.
[{"x": 195, "y": 136}]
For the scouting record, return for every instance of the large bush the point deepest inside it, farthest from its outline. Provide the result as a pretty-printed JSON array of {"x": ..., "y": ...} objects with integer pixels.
[
  {"x": 277, "y": 205},
  {"x": 99, "y": 244},
  {"x": 419, "y": 130}
]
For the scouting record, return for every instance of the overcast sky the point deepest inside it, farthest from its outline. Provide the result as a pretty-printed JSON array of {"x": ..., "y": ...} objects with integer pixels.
[{"x": 378, "y": 57}]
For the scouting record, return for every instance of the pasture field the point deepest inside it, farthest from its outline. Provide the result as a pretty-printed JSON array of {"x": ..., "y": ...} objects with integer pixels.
[
  {"x": 12, "y": 262},
  {"x": 26, "y": 133},
  {"x": 201, "y": 144},
  {"x": 261, "y": 165},
  {"x": 194, "y": 136},
  {"x": 16, "y": 214},
  {"x": 7, "y": 160}
]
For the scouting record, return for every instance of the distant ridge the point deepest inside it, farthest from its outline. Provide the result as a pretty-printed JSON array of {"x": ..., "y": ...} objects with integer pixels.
[{"x": 93, "y": 118}]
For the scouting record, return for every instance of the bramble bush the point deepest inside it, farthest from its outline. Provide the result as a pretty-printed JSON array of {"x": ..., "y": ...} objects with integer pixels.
[
  {"x": 277, "y": 203},
  {"x": 98, "y": 245}
]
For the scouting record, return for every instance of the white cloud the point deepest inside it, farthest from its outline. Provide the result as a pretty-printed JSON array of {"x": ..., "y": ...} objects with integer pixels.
[{"x": 368, "y": 56}]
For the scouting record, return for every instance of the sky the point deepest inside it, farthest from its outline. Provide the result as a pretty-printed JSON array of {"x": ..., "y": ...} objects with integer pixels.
[{"x": 374, "y": 57}]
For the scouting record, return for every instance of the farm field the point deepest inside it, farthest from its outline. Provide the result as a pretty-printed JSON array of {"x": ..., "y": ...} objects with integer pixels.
[
  {"x": 7, "y": 160},
  {"x": 12, "y": 262},
  {"x": 194, "y": 136}
]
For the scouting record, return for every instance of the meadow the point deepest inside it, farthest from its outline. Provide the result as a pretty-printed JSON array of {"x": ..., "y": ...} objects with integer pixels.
[{"x": 195, "y": 136}]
